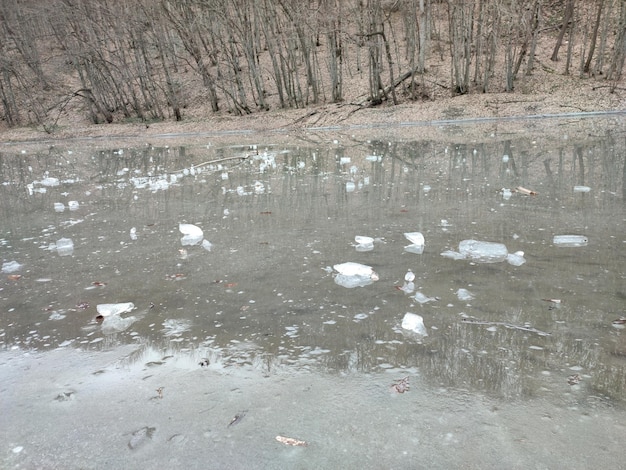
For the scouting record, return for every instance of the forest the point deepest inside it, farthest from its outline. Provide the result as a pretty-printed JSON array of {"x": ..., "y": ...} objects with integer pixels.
[{"x": 152, "y": 60}]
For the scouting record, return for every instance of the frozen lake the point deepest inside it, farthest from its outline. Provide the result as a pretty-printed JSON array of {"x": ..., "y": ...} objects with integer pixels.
[{"x": 218, "y": 253}]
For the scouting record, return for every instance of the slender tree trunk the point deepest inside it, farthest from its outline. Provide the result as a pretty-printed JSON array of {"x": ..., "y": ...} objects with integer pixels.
[
  {"x": 594, "y": 37},
  {"x": 568, "y": 16}
]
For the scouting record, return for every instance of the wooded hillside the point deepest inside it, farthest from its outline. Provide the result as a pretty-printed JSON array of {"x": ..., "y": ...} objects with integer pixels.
[{"x": 150, "y": 60}]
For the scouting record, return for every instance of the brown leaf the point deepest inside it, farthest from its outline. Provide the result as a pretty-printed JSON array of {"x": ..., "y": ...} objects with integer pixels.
[{"x": 290, "y": 441}]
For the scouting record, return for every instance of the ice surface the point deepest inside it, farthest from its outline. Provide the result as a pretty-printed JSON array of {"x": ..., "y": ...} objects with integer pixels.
[
  {"x": 414, "y": 323},
  {"x": 176, "y": 327},
  {"x": 570, "y": 240}
]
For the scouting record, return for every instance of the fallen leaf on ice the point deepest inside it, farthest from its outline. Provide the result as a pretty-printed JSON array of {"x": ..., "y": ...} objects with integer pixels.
[
  {"x": 527, "y": 192},
  {"x": 290, "y": 441}
]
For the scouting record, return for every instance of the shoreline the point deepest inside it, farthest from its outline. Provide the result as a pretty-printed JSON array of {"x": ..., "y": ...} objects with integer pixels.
[
  {"x": 86, "y": 134},
  {"x": 486, "y": 109}
]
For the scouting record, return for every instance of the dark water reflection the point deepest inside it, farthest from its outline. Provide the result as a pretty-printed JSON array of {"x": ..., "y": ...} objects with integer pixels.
[{"x": 278, "y": 219}]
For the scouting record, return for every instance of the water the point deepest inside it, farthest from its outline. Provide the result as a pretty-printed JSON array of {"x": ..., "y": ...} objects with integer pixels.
[{"x": 255, "y": 290}]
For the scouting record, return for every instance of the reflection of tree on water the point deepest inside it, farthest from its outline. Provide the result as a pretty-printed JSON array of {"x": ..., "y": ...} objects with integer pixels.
[{"x": 292, "y": 218}]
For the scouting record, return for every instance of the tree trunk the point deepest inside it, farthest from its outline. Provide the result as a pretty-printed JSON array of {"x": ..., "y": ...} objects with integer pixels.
[{"x": 568, "y": 15}]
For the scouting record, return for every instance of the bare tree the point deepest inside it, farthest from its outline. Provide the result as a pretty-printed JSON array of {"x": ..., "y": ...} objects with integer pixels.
[
  {"x": 568, "y": 17},
  {"x": 461, "y": 26},
  {"x": 594, "y": 37}
]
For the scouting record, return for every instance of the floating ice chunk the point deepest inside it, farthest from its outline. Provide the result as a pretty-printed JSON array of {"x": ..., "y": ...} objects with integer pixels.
[
  {"x": 416, "y": 238},
  {"x": 353, "y": 281},
  {"x": 414, "y": 323},
  {"x": 416, "y": 249},
  {"x": 10, "y": 267},
  {"x": 582, "y": 189},
  {"x": 106, "y": 310},
  {"x": 362, "y": 240},
  {"x": 354, "y": 275},
  {"x": 116, "y": 324},
  {"x": 133, "y": 233},
  {"x": 65, "y": 246},
  {"x": 464, "y": 295},
  {"x": 364, "y": 243},
  {"x": 506, "y": 194},
  {"x": 73, "y": 205},
  {"x": 193, "y": 234},
  {"x": 159, "y": 184},
  {"x": 409, "y": 276},
  {"x": 422, "y": 298},
  {"x": 505, "y": 158},
  {"x": 408, "y": 287},
  {"x": 516, "y": 259},
  {"x": 207, "y": 245},
  {"x": 356, "y": 269},
  {"x": 483, "y": 252},
  {"x": 344, "y": 160},
  {"x": 49, "y": 181},
  {"x": 59, "y": 207},
  {"x": 570, "y": 240},
  {"x": 259, "y": 188},
  {"x": 417, "y": 242},
  {"x": 350, "y": 186},
  {"x": 452, "y": 255}
]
